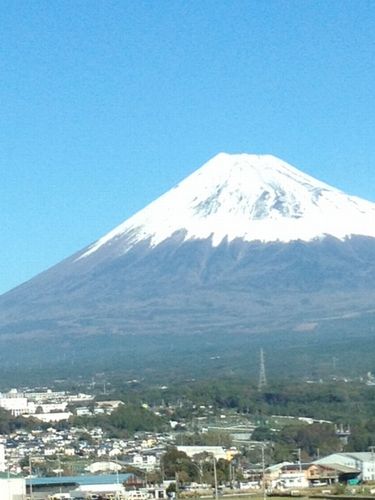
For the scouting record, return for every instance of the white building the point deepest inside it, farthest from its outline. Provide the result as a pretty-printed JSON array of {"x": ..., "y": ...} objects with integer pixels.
[
  {"x": 362, "y": 461},
  {"x": 97, "y": 489},
  {"x": 53, "y": 407},
  {"x": 15, "y": 402},
  {"x": 103, "y": 467},
  {"x": 216, "y": 451},
  {"x": 145, "y": 462},
  {"x": 53, "y": 417},
  {"x": 12, "y": 488},
  {"x": 76, "y": 398},
  {"x": 2, "y": 458},
  {"x": 291, "y": 479},
  {"x": 46, "y": 395},
  {"x": 83, "y": 411}
]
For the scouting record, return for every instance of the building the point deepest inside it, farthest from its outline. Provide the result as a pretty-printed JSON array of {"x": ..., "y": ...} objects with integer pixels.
[
  {"x": 144, "y": 462},
  {"x": 291, "y": 476},
  {"x": 364, "y": 462},
  {"x": 2, "y": 458},
  {"x": 326, "y": 474},
  {"x": 217, "y": 452},
  {"x": 272, "y": 473},
  {"x": 99, "y": 490},
  {"x": 53, "y": 417},
  {"x": 15, "y": 402},
  {"x": 104, "y": 482},
  {"x": 286, "y": 475},
  {"x": 11, "y": 487},
  {"x": 96, "y": 467}
]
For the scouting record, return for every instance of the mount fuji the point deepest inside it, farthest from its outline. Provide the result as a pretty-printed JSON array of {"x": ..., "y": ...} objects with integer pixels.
[{"x": 247, "y": 243}]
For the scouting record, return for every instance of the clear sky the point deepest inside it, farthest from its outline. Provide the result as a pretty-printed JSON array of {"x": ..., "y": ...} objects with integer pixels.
[{"x": 107, "y": 104}]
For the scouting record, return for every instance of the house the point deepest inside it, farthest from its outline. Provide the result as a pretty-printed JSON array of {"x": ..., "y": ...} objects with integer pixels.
[
  {"x": 144, "y": 462},
  {"x": 287, "y": 476},
  {"x": 273, "y": 472}
]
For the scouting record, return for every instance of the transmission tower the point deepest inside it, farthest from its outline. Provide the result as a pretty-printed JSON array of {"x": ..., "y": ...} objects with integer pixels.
[{"x": 262, "y": 373}]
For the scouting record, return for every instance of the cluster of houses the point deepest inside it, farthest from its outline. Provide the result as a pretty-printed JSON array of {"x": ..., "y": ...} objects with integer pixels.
[
  {"x": 77, "y": 444},
  {"x": 70, "y": 442},
  {"x": 74, "y": 445},
  {"x": 87, "y": 461}
]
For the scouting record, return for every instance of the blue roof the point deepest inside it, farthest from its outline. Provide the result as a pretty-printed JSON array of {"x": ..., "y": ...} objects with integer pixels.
[{"x": 84, "y": 480}]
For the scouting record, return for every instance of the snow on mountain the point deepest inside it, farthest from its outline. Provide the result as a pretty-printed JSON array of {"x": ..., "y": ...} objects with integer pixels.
[{"x": 251, "y": 197}]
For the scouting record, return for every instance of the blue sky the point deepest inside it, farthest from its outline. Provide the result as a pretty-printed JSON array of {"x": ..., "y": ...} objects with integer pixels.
[{"x": 107, "y": 104}]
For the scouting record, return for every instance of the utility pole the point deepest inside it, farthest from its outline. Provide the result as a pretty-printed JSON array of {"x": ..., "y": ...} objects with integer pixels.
[
  {"x": 262, "y": 383},
  {"x": 200, "y": 471},
  {"x": 215, "y": 479},
  {"x": 176, "y": 478},
  {"x": 31, "y": 484},
  {"x": 372, "y": 448},
  {"x": 234, "y": 473},
  {"x": 299, "y": 459},
  {"x": 59, "y": 469},
  {"x": 263, "y": 475},
  {"x": 9, "y": 489},
  {"x": 117, "y": 496}
]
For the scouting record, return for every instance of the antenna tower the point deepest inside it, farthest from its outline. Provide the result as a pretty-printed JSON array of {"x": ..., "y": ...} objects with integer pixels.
[{"x": 262, "y": 372}]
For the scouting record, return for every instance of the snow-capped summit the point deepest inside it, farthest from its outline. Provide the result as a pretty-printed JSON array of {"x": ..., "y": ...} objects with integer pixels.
[{"x": 250, "y": 197}]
